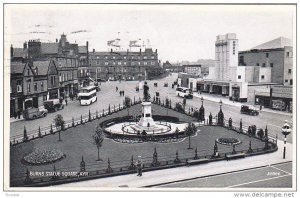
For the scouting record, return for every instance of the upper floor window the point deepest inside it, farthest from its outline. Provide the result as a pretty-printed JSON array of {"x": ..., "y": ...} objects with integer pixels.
[
  {"x": 290, "y": 71},
  {"x": 257, "y": 64},
  {"x": 264, "y": 65},
  {"x": 106, "y": 63},
  {"x": 113, "y": 57},
  {"x": 239, "y": 76},
  {"x": 124, "y": 57},
  {"x": 152, "y": 57},
  {"x": 42, "y": 86},
  {"x": 262, "y": 77},
  {"x": 28, "y": 72},
  {"x": 19, "y": 86},
  {"x": 271, "y": 64},
  {"x": 35, "y": 86},
  {"x": 28, "y": 87},
  {"x": 267, "y": 55}
]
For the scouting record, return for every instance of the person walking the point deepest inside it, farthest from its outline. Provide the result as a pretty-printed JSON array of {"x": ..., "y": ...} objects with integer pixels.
[
  {"x": 19, "y": 113},
  {"x": 117, "y": 89},
  {"x": 66, "y": 100},
  {"x": 139, "y": 166}
]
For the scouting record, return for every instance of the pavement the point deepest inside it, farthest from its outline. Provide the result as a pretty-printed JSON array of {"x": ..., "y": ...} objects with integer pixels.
[
  {"x": 162, "y": 177},
  {"x": 225, "y": 100}
]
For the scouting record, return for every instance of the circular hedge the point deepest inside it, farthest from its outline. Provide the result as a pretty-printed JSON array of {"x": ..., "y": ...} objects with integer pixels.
[
  {"x": 43, "y": 156},
  {"x": 228, "y": 141}
]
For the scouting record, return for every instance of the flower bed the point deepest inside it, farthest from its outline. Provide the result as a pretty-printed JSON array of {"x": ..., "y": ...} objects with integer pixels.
[
  {"x": 228, "y": 141},
  {"x": 43, "y": 156}
]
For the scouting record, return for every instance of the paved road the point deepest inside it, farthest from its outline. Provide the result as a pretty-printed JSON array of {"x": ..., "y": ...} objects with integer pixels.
[
  {"x": 273, "y": 176},
  {"x": 108, "y": 95}
]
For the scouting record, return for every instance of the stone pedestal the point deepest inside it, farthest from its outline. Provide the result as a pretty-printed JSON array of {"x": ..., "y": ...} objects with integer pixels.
[{"x": 146, "y": 119}]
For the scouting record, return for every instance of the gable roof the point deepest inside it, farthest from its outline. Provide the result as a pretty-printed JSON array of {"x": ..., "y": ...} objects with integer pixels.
[
  {"x": 41, "y": 66},
  {"x": 276, "y": 43},
  {"x": 17, "y": 67},
  {"x": 49, "y": 48}
]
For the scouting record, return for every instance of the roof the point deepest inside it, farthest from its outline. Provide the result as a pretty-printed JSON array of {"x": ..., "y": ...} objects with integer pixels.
[
  {"x": 276, "y": 43},
  {"x": 42, "y": 67},
  {"x": 20, "y": 52},
  {"x": 82, "y": 49},
  {"x": 49, "y": 48},
  {"x": 17, "y": 67}
]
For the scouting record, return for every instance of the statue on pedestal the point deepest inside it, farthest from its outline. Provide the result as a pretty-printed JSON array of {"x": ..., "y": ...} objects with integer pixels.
[{"x": 146, "y": 92}]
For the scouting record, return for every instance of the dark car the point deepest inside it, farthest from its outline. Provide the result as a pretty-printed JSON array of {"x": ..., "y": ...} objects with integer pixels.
[
  {"x": 53, "y": 105},
  {"x": 248, "y": 110}
]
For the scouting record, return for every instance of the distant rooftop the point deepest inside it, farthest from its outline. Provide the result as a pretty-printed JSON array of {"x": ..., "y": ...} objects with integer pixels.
[{"x": 276, "y": 43}]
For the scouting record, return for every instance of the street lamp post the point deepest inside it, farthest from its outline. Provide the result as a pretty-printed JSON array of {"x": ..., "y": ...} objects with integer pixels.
[
  {"x": 220, "y": 104},
  {"x": 286, "y": 130}
]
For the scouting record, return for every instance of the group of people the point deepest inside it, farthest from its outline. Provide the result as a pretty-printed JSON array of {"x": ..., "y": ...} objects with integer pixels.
[{"x": 17, "y": 114}]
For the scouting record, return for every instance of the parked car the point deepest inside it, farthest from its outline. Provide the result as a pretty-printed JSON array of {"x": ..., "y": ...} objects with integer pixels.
[
  {"x": 53, "y": 105},
  {"x": 34, "y": 113},
  {"x": 248, "y": 110}
]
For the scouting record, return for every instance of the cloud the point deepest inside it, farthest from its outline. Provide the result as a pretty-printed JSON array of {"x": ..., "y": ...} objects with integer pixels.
[{"x": 78, "y": 31}]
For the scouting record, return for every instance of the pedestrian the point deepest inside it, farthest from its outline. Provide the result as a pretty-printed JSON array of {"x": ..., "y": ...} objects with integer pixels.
[
  {"x": 15, "y": 115},
  {"x": 260, "y": 107},
  {"x": 123, "y": 92},
  {"x": 19, "y": 113},
  {"x": 120, "y": 93},
  {"x": 139, "y": 166},
  {"x": 117, "y": 89},
  {"x": 66, "y": 100}
]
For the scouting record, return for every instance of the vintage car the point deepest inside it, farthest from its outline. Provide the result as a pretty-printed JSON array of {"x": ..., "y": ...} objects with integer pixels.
[
  {"x": 53, "y": 105},
  {"x": 34, "y": 113},
  {"x": 249, "y": 110}
]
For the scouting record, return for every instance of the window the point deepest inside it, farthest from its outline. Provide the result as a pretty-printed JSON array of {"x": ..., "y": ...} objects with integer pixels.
[
  {"x": 125, "y": 63},
  {"x": 19, "y": 86},
  {"x": 145, "y": 63},
  {"x": 105, "y": 57},
  {"x": 124, "y": 57},
  {"x": 287, "y": 55},
  {"x": 119, "y": 63},
  {"x": 52, "y": 80},
  {"x": 152, "y": 57},
  {"x": 106, "y": 63},
  {"x": 42, "y": 86},
  {"x": 139, "y": 63},
  {"x": 44, "y": 97},
  {"x": 152, "y": 63},
  {"x": 28, "y": 87},
  {"x": 145, "y": 57},
  {"x": 286, "y": 81},
  {"x": 271, "y": 64},
  {"x": 28, "y": 73},
  {"x": 262, "y": 77},
  {"x": 60, "y": 78},
  {"x": 113, "y": 57},
  {"x": 267, "y": 55},
  {"x": 291, "y": 82},
  {"x": 290, "y": 71},
  {"x": 35, "y": 86},
  {"x": 257, "y": 64},
  {"x": 239, "y": 76},
  {"x": 97, "y": 57},
  {"x": 98, "y": 62},
  {"x": 264, "y": 65},
  {"x": 233, "y": 47}
]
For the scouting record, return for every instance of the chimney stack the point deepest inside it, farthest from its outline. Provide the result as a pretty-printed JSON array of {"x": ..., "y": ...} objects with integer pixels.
[
  {"x": 25, "y": 45},
  {"x": 93, "y": 51}
]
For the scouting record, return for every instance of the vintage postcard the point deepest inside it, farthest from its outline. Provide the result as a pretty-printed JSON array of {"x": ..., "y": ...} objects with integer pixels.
[{"x": 150, "y": 97}]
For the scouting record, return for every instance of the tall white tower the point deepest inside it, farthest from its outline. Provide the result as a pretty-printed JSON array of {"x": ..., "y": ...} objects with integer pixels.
[{"x": 226, "y": 57}]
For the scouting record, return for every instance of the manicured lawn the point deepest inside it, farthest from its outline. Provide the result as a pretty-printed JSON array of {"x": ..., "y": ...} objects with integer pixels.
[{"x": 77, "y": 142}]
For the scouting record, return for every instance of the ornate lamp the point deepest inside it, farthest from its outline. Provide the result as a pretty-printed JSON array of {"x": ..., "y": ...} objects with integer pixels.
[{"x": 285, "y": 130}]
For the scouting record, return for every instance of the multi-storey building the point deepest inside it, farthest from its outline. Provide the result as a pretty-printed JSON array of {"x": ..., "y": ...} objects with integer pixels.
[
  {"x": 126, "y": 65},
  {"x": 276, "y": 54},
  {"x": 71, "y": 60},
  {"x": 32, "y": 84}
]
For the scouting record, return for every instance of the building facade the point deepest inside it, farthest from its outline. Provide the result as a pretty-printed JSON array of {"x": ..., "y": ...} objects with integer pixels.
[
  {"x": 125, "y": 65},
  {"x": 277, "y": 55},
  {"x": 226, "y": 56},
  {"x": 192, "y": 69}
]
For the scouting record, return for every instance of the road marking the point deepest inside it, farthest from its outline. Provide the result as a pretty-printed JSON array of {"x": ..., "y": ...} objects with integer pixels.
[
  {"x": 281, "y": 170},
  {"x": 257, "y": 181}
]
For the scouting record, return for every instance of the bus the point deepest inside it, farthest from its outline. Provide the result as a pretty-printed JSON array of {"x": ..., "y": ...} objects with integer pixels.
[
  {"x": 184, "y": 92},
  {"x": 87, "y": 95}
]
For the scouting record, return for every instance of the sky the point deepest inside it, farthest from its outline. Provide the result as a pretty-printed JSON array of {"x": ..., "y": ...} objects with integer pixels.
[{"x": 178, "y": 32}]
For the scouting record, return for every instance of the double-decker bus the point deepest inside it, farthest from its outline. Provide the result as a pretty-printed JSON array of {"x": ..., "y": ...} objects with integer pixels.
[{"x": 87, "y": 95}]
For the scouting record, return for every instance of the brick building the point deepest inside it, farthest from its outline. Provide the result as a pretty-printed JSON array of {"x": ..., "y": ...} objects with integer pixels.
[
  {"x": 126, "y": 65},
  {"x": 32, "y": 84}
]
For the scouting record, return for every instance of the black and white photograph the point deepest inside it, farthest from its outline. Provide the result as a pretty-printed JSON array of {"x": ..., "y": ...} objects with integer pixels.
[{"x": 150, "y": 97}]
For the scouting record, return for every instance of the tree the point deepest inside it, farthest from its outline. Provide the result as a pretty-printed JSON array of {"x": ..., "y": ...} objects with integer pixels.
[
  {"x": 190, "y": 130},
  {"x": 127, "y": 103},
  {"x": 98, "y": 138},
  {"x": 60, "y": 124},
  {"x": 184, "y": 103}
]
